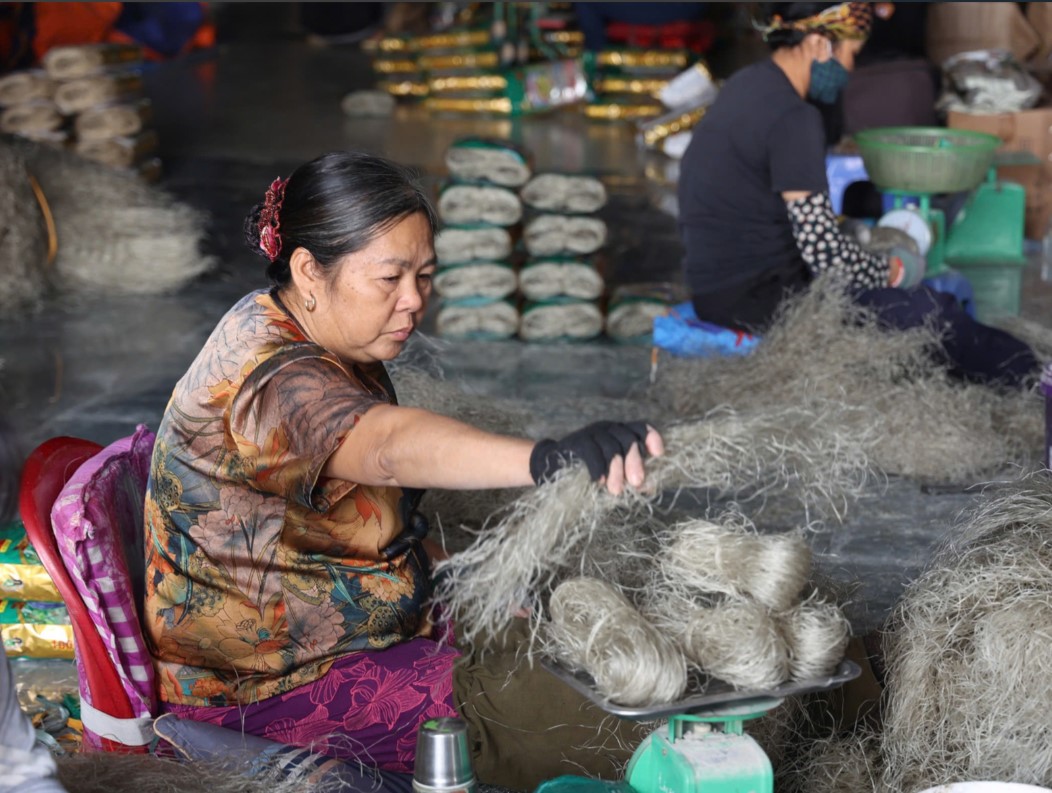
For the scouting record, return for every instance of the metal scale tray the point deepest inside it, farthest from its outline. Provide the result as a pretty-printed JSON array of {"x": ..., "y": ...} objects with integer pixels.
[{"x": 709, "y": 694}]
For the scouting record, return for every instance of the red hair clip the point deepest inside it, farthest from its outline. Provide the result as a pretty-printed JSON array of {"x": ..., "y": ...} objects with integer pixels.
[{"x": 270, "y": 221}]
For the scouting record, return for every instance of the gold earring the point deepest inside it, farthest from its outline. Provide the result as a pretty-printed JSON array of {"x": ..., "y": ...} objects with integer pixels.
[{"x": 310, "y": 303}]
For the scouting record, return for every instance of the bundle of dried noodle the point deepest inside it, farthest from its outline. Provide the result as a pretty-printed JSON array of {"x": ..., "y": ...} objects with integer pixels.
[
  {"x": 70, "y": 63},
  {"x": 545, "y": 279},
  {"x": 113, "y": 121},
  {"x": 30, "y": 85},
  {"x": 551, "y": 235},
  {"x": 542, "y": 536},
  {"x": 816, "y": 633},
  {"x": 572, "y": 193},
  {"x": 118, "y": 152},
  {"x": 731, "y": 558},
  {"x": 595, "y": 628},
  {"x": 453, "y": 245},
  {"x": 40, "y": 116},
  {"x": 576, "y": 319},
  {"x": 496, "y": 319},
  {"x": 737, "y": 641},
  {"x": 87, "y": 92}
]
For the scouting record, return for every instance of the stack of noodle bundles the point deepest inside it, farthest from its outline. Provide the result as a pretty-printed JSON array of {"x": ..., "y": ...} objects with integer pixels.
[
  {"x": 28, "y": 109},
  {"x": 632, "y": 309},
  {"x": 476, "y": 277},
  {"x": 99, "y": 89},
  {"x": 560, "y": 282},
  {"x": 719, "y": 598},
  {"x": 629, "y": 82}
]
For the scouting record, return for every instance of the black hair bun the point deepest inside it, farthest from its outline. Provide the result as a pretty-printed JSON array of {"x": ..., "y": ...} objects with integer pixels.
[{"x": 251, "y": 229}]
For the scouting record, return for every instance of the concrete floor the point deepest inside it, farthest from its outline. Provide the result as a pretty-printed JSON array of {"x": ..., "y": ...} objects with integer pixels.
[{"x": 229, "y": 123}]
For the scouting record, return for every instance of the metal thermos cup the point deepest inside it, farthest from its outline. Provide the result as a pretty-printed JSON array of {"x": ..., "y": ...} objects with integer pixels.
[{"x": 443, "y": 761}]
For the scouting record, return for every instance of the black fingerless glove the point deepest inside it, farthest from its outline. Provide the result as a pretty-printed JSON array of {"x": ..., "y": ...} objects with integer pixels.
[{"x": 595, "y": 445}]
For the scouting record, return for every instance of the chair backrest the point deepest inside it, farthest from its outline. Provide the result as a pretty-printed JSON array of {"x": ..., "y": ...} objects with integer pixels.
[{"x": 85, "y": 522}]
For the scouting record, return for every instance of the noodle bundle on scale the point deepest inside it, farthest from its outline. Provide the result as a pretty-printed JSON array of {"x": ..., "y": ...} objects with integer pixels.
[{"x": 541, "y": 538}]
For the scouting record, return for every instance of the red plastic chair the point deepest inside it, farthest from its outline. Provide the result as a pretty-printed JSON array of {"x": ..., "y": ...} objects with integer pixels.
[{"x": 45, "y": 473}]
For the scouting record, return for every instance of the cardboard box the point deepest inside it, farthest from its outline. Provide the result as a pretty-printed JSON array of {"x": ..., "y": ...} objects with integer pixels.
[
  {"x": 1028, "y": 131},
  {"x": 1039, "y": 15},
  {"x": 962, "y": 27}
]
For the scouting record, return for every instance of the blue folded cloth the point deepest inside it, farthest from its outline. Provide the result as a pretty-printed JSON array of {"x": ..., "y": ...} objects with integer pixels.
[{"x": 680, "y": 332}]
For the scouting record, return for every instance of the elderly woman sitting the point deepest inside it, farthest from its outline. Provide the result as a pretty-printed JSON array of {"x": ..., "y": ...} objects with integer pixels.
[{"x": 287, "y": 584}]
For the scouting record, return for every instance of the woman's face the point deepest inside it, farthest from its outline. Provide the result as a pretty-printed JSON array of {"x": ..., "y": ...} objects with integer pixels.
[{"x": 378, "y": 296}]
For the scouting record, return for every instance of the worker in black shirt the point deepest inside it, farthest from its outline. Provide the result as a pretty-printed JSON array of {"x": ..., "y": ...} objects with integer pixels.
[{"x": 755, "y": 215}]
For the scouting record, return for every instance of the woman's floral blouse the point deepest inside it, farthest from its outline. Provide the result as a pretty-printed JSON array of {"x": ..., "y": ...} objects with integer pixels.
[{"x": 259, "y": 570}]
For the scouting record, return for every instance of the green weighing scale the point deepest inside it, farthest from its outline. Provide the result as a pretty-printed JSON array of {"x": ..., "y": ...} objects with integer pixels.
[
  {"x": 703, "y": 747},
  {"x": 985, "y": 241}
]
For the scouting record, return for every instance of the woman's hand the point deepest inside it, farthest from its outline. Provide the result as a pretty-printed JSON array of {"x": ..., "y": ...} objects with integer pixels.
[
  {"x": 612, "y": 452},
  {"x": 907, "y": 268}
]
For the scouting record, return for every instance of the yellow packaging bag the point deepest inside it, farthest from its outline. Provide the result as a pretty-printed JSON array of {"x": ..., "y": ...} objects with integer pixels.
[
  {"x": 35, "y": 629},
  {"x": 22, "y": 576}
]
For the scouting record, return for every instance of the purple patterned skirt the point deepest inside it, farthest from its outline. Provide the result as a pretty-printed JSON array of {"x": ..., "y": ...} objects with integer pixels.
[{"x": 367, "y": 708}]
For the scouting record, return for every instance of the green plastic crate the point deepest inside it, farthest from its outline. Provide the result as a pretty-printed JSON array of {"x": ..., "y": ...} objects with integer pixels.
[{"x": 997, "y": 288}]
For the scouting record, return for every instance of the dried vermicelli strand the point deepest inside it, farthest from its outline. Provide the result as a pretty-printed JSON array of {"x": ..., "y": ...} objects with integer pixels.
[
  {"x": 513, "y": 561},
  {"x": 541, "y": 535},
  {"x": 750, "y": 454},
  {"x": 24, "y": 242},
  {"x": 738, "y": 642},
  {"x": 595, "y": 628},
  {"x": 107, "y": 772},
  {"x": 836, "y": 764},
  {"x": 816, "y": 633},
  {"x": 117, "y": 235},
  {"x": 824, "y": 348},
  {"x": 969, "y": 651},
  {"x": 1037, "y": 335}
]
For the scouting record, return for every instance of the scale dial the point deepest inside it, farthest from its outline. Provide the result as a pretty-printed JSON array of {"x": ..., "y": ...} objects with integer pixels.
[{"x": 911, "y": 222}]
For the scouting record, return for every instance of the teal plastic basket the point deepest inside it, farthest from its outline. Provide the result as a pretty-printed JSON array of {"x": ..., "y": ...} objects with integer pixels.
[{"x": 926, "y": 159}]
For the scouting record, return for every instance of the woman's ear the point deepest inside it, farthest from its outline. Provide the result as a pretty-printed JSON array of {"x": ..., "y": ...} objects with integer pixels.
[
  {"x": 818, "y": 47},
  {"x": 306, "y": 273}
]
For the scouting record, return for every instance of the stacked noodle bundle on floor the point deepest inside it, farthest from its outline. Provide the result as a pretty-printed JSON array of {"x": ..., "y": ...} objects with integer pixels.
[
  {"x": 28, "y": 109},
  {"x": 464, "y": 73},
  {"x": 560, "y": 281},
  {"x": 395, "y": 65},
  {"x": 632, "y": 308},
  {"x": 476, "y": 278},
  {"x": 99, "y": 89},
  {"x": 627, "y": 83},
  {"x": 453, "y": 70}
]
